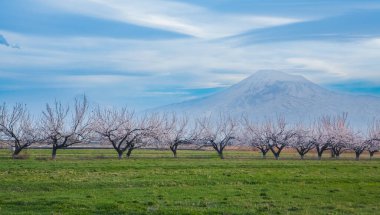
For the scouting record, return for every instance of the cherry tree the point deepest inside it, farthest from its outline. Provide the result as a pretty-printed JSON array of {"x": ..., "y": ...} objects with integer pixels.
[
  {"x": 339, "y": 132},
  {"x": 373, "y": 138},
  {"x": 302, "y": 141},
  {"x": 175, "y": 131},
  {"x": 374, "y": 146},
  {"x": 62, "y": 127},
  {"x": 122, "y": 129},
  {"x": 149, "y": 127},
  {"x": 17, "y": 128},
  {"x": 218, "y": 133},
  {"x": 320, "y": 136},
  {"x": 358, "y": 145},
  {"x": 280, "y": 135},
  {"x": 255, "y": 135}
]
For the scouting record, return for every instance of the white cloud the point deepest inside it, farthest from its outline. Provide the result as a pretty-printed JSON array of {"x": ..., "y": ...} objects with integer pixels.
[
  {"x": 317, "y": 64},
  {"x": 171, "y": 16},
  {"x": 374, "y": 42},
  {"x": 92, "y": 80},
  {"x": 182, "y": 63}
]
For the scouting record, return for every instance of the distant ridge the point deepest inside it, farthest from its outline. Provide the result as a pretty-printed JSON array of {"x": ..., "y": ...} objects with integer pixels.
[{"x": 269, "y": 93}]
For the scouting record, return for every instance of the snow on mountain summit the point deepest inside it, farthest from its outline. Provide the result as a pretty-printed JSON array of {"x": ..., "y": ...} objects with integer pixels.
[
  {"x": 273, "y": 76},
  {"x": 267, "y": 82}
]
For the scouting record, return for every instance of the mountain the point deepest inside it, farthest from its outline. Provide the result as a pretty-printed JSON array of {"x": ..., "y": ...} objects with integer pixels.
[
  {"x": 3, "y": 41},
  {"x": 268, "y": 93}
]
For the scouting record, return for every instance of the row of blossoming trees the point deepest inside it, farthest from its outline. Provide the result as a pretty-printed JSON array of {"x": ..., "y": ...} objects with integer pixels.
[{"x": 62, "y": 126}]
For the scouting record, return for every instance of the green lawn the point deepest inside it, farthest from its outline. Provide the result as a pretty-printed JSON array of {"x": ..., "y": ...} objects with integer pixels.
[{"x": 151, "y": 182}]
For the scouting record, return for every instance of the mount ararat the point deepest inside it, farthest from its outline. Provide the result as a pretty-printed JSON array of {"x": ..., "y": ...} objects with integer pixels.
[{"x": 267, "y": 94}]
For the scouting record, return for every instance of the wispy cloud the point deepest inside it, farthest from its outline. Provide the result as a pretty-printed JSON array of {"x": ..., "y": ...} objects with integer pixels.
[
  {"x": 171, "y": 16},
  {"x": 318, "y": 65},
  {"x": 154, "y": 52},
  {"x": 196, "y": 63},
  {"x": 91, "y": 80}
]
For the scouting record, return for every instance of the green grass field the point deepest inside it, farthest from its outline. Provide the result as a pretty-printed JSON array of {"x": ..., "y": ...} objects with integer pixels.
[{"x": 198, "y": 182}]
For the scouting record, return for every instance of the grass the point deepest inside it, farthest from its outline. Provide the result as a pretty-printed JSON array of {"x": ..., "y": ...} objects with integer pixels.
[{"x": 151, "y": 182}]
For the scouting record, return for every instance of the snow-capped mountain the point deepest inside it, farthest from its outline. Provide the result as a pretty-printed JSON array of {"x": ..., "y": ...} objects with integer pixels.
[
  {"x": 268, "y": 94},
  {"x": 3, "y": 41}
]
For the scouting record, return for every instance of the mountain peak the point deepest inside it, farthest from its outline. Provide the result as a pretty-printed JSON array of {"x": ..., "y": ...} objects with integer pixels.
[
  {"x": 275, "y": 75},
  {"x": 263, "y": 79}
]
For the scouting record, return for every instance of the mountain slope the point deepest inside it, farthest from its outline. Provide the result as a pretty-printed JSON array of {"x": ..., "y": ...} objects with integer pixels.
[
  {"x": 3, "y": 41},
  {"x": 268, "y": 94}
]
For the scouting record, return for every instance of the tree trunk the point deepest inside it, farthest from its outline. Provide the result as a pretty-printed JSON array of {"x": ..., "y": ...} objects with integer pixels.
[
  {"x": 174, "y": 151},
  {"x": 276, "y": 153},
  {"x": 129, "y": 152},
  {"x": 220, "y": 153},
  {"x": 320, "y": 155},
  {"x": 302, "y": 157},
  {"x": 54, "y": 153},
  {"x": 337, "y": 155},
  {"x": 16, "y": 152},
  {"x": 264, "y": 154},
  {"x": 357, "y": 157},
  {"x": 333, "y": 155},
  {"x": 120, "y": 154},
  {"x": 371, "y": 155}
]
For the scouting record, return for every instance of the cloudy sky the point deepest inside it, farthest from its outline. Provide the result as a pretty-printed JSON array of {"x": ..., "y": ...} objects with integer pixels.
[{"x": 148, "y": 53}]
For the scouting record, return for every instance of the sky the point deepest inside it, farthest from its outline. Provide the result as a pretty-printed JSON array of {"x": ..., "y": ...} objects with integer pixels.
[{"x": 149, "y": 53}]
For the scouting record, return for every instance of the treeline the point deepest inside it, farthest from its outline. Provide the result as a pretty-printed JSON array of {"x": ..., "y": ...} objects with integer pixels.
[{"x": 62, "y": 126}]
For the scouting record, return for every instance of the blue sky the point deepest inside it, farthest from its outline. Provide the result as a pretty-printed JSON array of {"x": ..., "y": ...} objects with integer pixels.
[{"x": 149, "y": 53}]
